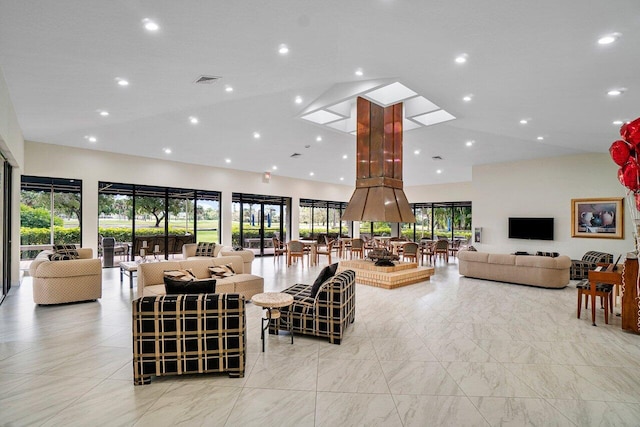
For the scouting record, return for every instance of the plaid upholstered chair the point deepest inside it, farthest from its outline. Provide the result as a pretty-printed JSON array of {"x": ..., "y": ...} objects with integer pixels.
[
  {"x": 590, "y": 260},
  {"x": 325, "y": 314},
  {"x": 188, "y": 334}
]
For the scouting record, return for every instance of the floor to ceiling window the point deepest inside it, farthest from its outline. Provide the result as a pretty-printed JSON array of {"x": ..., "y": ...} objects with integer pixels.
[
  {"x": 50, "y": 213},
  {"x": 161, "y": 219},
  {"x": 256, "y": 219},
  {"x": 5, "y": 229},
  {"x": 320, "y": 217},
  {"x": 447, "y": 220}
]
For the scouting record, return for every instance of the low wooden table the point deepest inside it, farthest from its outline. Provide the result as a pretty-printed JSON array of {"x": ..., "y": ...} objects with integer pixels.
[
  {"x": 401, "y": 274},
  {"x": 272, "y": 302}
]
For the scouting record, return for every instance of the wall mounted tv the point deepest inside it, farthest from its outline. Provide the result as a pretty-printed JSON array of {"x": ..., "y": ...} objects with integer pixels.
[{"x": 531, "y": 228}]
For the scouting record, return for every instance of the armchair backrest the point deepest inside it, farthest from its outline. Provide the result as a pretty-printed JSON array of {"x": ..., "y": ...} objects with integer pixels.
[{"x": 598, "y": 257}]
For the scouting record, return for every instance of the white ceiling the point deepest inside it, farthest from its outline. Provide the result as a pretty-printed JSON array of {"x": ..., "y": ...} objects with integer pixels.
[{"x": 538, "y": 60}]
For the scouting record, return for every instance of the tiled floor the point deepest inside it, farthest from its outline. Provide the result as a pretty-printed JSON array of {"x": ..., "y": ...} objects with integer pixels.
[{"x": 449, "y": 352}]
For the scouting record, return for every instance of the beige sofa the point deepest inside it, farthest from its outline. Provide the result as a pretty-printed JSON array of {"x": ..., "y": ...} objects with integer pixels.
[
  {"x": 57, "y": 282},
  {"x": 189, "y": 252},
  {"x": 541, "y": 271},
  {"x": 151, "y": 276}
]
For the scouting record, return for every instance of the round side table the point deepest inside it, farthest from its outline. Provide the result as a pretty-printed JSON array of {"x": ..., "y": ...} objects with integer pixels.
[{"x": 272, "y": 302}]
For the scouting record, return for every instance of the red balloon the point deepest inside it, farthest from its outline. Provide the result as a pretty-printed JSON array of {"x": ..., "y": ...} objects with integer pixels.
[
  {"x": 621, "y": 175},
  {"x": 631, "y": 175},
  {"x": 620, "y": 152},
  {"x": 630, "y": 132}
]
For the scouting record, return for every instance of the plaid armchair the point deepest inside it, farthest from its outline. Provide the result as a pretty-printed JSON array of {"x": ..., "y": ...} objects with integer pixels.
[
  {"x": 590, "y": 260},
  {"x": 326, "y": 315},
  {"x": 188, "y": 334}
]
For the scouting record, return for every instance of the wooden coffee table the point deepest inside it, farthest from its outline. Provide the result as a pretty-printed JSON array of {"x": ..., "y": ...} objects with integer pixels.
[{"x": 272, "y": 302}]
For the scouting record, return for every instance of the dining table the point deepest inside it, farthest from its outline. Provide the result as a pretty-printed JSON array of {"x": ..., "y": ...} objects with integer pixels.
[{"x": 313, "y": 246}]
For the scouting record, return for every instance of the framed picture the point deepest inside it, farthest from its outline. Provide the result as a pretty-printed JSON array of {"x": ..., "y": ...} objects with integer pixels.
[
  {"x": 598, "y": 218},
  {"x": 477, "y": 233}
]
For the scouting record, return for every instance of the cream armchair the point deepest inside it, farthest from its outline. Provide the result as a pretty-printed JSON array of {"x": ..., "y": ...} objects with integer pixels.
[{"x": 57, "y": 282}]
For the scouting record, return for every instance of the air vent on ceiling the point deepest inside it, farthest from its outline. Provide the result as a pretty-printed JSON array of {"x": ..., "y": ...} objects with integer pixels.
[
  {"x": 295, "y": 155},
  {"x": 206, "y": 80},
  {"x": 437, "y": 158}
]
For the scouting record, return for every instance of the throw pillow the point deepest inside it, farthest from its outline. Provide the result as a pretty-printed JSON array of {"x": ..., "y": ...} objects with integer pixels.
[
  {"x": 221, "y": 271},
  {"x": 325, "y": 274},
  {"x": 472, "y": 249},
  {"x": 183, "y": 275},
  {"x": 551, "y": 254},
  {"x": 64, "y": 253},
  {"x": 205, "y": 249},
  {"x": 177, "y": 286}
]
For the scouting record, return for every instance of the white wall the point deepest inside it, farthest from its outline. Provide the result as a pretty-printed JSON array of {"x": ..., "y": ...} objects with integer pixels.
[
  {"x": 544, "y": 188},
  {"x": 454, "y": 192},
  {"x": 92, "y": 166}
]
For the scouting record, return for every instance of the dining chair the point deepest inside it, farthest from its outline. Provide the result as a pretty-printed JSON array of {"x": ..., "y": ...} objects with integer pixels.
[
  {"x": 357, "y": 246},
  {"x": 427, "y": 249},
  {"x": 279, "y": 248},
  {"x": 454, "y": 247},
  {"x": 441, "y": 248},
  {"x": 410, "y": 251},
  {"x": 325, "y": 250},
  {"x": 295, "y": 249}
]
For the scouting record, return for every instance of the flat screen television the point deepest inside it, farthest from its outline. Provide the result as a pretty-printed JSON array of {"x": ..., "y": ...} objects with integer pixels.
[{"x": 531, "y": 228}]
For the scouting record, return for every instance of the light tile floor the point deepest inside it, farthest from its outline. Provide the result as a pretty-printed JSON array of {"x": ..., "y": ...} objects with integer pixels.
[{"x": 450, "y": 352}]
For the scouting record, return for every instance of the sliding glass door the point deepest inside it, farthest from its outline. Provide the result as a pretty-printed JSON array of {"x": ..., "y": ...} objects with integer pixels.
[{"x": 257, "y": 219}]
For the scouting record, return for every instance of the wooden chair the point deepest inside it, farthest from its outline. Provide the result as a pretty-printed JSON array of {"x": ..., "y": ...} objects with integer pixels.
[
  {"x": 279, "y": 248},
  {"x": 427, "y": 249},
  {"x": 441, "y": 247},
  {"x": 454, "y": 247},
  {"x": 602, "y": 290},
  {"x": 410, "y": 251},
  {"x": 326, "y": 250},
  {"x": 357, "y": 246},
  {"x": 295, "y": 249}
]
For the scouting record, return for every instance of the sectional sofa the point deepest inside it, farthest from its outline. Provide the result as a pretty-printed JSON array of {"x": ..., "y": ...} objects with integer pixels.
[{"x": 532, "y": 270}]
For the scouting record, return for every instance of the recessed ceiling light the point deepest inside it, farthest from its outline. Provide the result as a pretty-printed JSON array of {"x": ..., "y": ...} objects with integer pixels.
[
  {"x": 256, "y": 135},
  {"x": 103, "y": 113},
  {"x": 228, "y": 88},
  {"x": 298, "y": 99},
  {"x": 193, "y": 120},
  {"x": 359, "y": 72},
  {"x": 318, "y": 138},
  {"x": 439, "y": 171},
  {"x": 149, "y": 25},
  {"x": 470, "y": 143},
  {"x": 91, "y": 138},
  {"x": 342, "y": 178},
  {"x": 615, "y": 92},
  {"x": 467, "y": 98},
  {"x": 283, "y": 49},
  {"x": 617, "y": 122},
  {"x": 274, "y": 167},
  {"x": 416, "y": 152},
  {"x": 122, "y": 82},
  {"x": 609, "y": 38},
  {"x": 167, "y": 150},
  {"x": 311, "y": 174},
  {"x": 540, "y": 138},
  {"x": 461, "y": 59},
  {"x": 344, "y": 156},
  {"x": 524, "y": 121}
]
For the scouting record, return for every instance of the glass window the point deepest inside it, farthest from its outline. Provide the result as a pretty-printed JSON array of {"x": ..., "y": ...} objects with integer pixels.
[{"x": 50, "y": 213}]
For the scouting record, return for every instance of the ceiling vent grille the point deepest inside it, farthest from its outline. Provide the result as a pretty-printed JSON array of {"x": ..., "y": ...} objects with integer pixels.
[
  {"x": 206, "y": 80},
  {"x": 295, "y": 155}
]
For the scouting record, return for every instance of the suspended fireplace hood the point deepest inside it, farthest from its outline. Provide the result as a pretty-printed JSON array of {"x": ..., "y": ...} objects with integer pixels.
[{"x": 379, "y": 195}]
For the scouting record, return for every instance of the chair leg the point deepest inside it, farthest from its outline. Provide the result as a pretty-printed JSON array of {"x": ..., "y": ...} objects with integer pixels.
[{"x": 579, "y": 302}]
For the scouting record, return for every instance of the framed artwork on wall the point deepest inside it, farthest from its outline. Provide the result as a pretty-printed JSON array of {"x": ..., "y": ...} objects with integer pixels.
[
  {"x": 477, "y": 233},
  {"x": 597, "y": 218}
]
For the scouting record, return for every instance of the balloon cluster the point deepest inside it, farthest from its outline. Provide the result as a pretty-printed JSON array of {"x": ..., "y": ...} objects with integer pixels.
[{"x": 625, "y": 153}]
